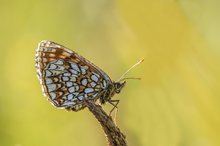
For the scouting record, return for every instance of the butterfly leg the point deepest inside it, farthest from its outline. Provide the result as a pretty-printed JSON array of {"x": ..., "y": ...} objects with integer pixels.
[{"x": 115, "y": 106}]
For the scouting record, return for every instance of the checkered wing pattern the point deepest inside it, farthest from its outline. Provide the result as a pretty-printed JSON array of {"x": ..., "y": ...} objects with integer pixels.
[{"x": 67, "y": 78}]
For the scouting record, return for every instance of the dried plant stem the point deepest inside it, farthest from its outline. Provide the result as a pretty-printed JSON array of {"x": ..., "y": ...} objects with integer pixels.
[{"x": 114, "y": 136}]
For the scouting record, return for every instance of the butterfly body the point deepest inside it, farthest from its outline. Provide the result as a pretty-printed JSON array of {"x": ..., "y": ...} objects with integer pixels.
[{"x": 69, "y": 79}]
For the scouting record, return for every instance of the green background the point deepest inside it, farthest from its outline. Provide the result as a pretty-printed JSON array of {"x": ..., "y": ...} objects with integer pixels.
[{"x": 177, "y": 102}]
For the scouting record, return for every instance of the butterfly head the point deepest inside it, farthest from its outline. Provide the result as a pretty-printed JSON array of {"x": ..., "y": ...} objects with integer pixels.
[{"x": 118, "y": 86}]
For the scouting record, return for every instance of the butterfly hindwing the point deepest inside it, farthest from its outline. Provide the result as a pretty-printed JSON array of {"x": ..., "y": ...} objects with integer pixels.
[{"x": 67, "y": 78}]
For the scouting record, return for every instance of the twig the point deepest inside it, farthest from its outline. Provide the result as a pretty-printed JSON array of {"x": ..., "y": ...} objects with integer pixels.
[{"x": 114, "y": 136}]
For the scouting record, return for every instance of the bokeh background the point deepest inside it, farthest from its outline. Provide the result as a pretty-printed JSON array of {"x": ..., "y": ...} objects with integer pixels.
[{"x": 177, "y": 102}]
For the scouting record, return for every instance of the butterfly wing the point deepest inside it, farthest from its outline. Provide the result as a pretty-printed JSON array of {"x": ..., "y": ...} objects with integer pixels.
[{"x": 67, "y": 78}]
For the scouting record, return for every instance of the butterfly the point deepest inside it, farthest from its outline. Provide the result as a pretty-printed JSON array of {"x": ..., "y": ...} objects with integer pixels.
[{"x": 68, "y": 79}]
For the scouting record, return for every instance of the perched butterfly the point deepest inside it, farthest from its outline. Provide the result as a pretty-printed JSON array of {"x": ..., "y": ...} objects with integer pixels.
[{"x": 68, "y": 79}]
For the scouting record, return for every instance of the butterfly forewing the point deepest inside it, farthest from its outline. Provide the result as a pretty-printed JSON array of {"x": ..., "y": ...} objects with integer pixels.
[{"x": 67, "y": 78}]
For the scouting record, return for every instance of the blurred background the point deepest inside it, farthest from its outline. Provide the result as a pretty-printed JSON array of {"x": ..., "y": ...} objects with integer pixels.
[{"x": 177, "y": 102}]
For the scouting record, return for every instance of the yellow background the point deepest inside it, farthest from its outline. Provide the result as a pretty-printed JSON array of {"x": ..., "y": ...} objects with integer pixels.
[{"x": 177, "y": 102}]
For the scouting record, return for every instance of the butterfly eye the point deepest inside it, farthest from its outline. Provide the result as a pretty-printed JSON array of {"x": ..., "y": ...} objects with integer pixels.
[{"x": 119, "y": 86}]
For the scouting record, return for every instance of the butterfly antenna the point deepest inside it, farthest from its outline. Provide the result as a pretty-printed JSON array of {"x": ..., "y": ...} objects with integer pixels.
[
  {"x": 130, "y": 78},
  {"x": 139, "y": 62}
]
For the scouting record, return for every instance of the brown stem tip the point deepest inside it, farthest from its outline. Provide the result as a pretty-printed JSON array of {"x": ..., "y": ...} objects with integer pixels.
[{"x": 114, "y": 136}]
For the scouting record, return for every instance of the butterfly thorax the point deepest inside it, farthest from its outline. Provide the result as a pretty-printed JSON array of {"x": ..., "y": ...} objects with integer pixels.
[{"x": 113, "y": 88}]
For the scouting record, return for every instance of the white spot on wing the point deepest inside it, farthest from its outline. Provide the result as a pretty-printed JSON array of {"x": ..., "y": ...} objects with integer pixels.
[
  {"x": 70, "y": 97},
  {"x": 94, "y": 78},
  {"x": 48, "y": 81},
  {"x": 51, "y": 87},
  {"x": 88, "y": 90},
  {"x": 48, "y": 73},
  {"x": 59, "y": 62},
  {"x": 71, "y": 89},
  {"x": 104, "y": 84},
  {"x": 73, "y": 71},
  {"x": 75, "y": 67},
  {"x": 65, "y": 78},
  {"x": 96, "y": 74},
  {"x": 93, "y": 84},
  {"x": 83, "y": 70},
  {"x": 81, "y": 97},
  {"x": 52, "y": 95},
  {"x": 67, "y": 74},
  {"x": 84, "y": 82},
  {"x": 68, "y": 103},
  {"x": 69, "y": 84},
  {"x": 52, "y": 66}
]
